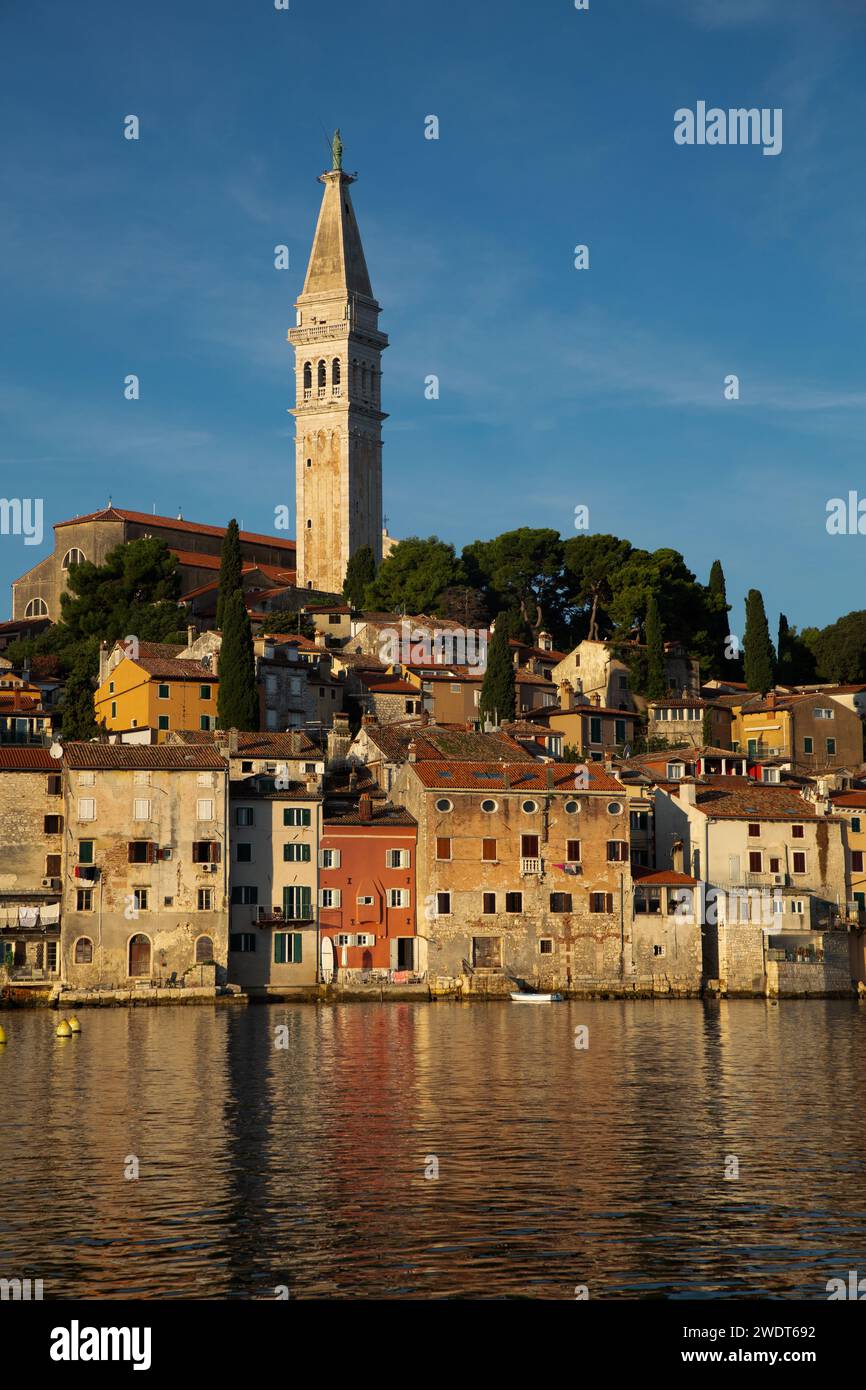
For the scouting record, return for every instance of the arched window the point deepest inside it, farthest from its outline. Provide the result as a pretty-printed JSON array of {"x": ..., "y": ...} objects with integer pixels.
[
  {"x": 83, "y": 951},
  {"x": 323, "y": 377},
  {"x": 36, "y": 608},
  {"x": 203, "y": 950},
  {"x": 308, "y": 380},
  {"x": 73, "y": 557},
  {"x": 335, "y": 377},
  {"x": 139, "y": 954}
]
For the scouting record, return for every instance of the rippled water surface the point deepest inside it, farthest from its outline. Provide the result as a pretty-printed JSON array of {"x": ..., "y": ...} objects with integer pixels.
[{"x": 305, "y": 1165}]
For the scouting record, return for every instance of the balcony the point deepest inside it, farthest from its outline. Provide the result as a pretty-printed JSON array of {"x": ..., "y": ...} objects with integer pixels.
[
  {"x": 530, "y": 866},
  {"x": 764, "y": 750},
  {"x": 315, "y": 332}
]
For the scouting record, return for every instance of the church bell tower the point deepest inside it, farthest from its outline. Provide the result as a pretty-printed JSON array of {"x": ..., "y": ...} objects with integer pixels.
[{"x": 338, "y": 376}]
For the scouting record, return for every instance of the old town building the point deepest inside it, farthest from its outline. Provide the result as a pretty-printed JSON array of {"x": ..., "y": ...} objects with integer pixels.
[{"x": 31, "y": 863}]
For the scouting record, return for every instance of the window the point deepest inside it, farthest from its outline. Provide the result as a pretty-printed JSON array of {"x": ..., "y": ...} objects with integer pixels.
[
  {"x": 53, "y": 825},
  {"x": 857, "y": 861},
  {"x": 601, "y": 902},
  {"x": 86, "y": 808},
  {"x": 754, "y": 831},
  {"x": 831, "y": 745},
  {"x": 775, "y": 865},
  {"x": 140, "y": 809},
  {"x": 83, "y": 950},
  {"x": 545, "y": 946},
  {"x": 513, "y": 902},
  {"x": 488, "y": 851},
  {"x": 204, "y": 692},
  {"x": 204, "y": 808},
  {"x": 162, "y": 692},
  {"x": 443, "y": 904},
  {"x": 855, "y": 824},
  {"x": 529, "y": 846},
  {"x": 676, "y": 771},
  {"x": 204, "y": 897},
  {"x": 206, "y": 721},
  {"x": 530, "y": 807},
  {"x": 614, "y": 808},
  {"x": 330, "y": 897},
  {"x": 619, "y": 730},
  {"x": 297, "y": 902},
  {"x": 365, "y": 938},
  {"x": 85, "y": 851},
  {"x": 799, "y": 861},
  {"x": 204, "y": 779},
  {"x": 139, "y": 898},
  {"x": 72, "y": 557},
  {"x": 808, "y": 745},
  {"x": 487, "y": 952},
  {"x": 560, "y": 902},
  {"x": 443, "y": 805},
  {"x": 36, "y": 608},
  {"x": 55, "y": 784},
  {"x": 52, "y": 865},
  {"x": 114, "y": 709},
  {"x": 329, "y": 859},
  {"x": 287, "y": 948},
  {"x": 296, "y": 815},
  {"x": 242, "y": 941},
  {"x": 364, "y": 901},
  {"x": 572, "y": 851},
  {"x": 398, "y": 897},
  {"x": 488, "y": 904},
  {"x": 168, "y": 902},
  {"x": 83, "y": 903},
  {"x": 162, "y": 721},
  {"x": 244, "y": 815},
  {"x": 488, "y": 806},
  {"x": 397, "y": 858},
  {"x": 443, "y": 847},
  {"x": 245, "y": 894},
  {"x": 206, "y": 852},
  {"x": 140, "y": 852},
  {"x": 658, "y": 950},
  {"x": 756, "y": 861},
  {"x": 572, "y": 808},
  {"x": 296, "y": 853},
  {"x": 595, "y": 729},
  {"x": 798, "y": 832},
  {"x": 822, "y": 713},
  {"x": 246, "y": 767},
  {"x": 617, "y": 851}
]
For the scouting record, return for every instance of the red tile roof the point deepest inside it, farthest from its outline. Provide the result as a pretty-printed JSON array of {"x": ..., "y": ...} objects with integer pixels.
[
  {"x": 174, "y": 669},
  {"x": 520, "y": 776},
  {"x": 739, "y": 798},
  {"x": 293, "y": 743},
  {"x": 654, "y": 877},
  {"x": 853, "y": 799},
  {"x": 17, "y": 758},
  {"x": 175, "y": 524},
  {"x": 142, "y": 756}
]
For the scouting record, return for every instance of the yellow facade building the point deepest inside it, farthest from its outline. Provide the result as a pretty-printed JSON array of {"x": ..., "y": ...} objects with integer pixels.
[{"x": 159, "y": 693}]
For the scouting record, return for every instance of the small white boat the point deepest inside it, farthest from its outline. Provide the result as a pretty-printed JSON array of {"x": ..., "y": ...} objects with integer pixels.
[{"x": 522, "y": 998}]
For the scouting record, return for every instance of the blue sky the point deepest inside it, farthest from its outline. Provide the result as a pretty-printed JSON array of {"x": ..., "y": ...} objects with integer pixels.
[{"x": 558, "y": 387}]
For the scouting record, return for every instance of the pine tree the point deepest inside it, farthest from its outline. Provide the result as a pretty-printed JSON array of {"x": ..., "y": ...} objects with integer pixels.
[
  {"x": 656, "y": 685},
  {"x": 77, "y": 711},
  {"x": 498, "y": 690},
  {"x": 759, "y": 659},
  {"x": 360, "y": 571},
  {"x": 238, "y": 696},
  {"x": 230, "y": 569}
]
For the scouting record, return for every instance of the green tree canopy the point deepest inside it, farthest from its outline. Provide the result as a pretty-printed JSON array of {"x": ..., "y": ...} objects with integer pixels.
[
  {"x": 238, "y": 697},
  {"x": 231, "y": 565},
  {"x": 841, "y": 649},
  {"x": 498, "y": 688},
  {"x": 414, "y": 576},
  {"x": 591, "y": 562},
  {"x": 656, "y": 685},
  {"x": 360, "y": 571},
  {"x": 523, "y": 570},
  {"x": 759, "y": 659}
]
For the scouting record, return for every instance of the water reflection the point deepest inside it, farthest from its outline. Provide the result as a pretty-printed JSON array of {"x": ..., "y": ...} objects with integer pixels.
[{"x": 304, "y": 1165}]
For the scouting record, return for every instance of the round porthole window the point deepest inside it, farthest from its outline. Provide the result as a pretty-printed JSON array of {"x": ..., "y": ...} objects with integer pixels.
[
  {"x": 443, "y": 804},
  {"x": 530, "y": 806},
  {"x": 488, "y": 805},
  {"x": 614, "y": 807},
  {"x": 572, "y": 808}
]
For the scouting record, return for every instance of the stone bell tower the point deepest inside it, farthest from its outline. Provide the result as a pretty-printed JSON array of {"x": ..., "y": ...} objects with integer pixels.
[{"x": 338, "y": 374}]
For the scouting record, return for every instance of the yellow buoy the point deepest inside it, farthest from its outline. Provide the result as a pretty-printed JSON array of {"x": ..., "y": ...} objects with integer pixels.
[
  {"x": 74, "y": 1025},
  {"x": 64, "y": 1030},
  {"x": 2, "y": 1035}
]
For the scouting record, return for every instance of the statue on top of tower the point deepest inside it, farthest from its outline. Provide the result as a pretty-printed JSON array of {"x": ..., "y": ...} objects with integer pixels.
[{"x": 337, "y": 150}]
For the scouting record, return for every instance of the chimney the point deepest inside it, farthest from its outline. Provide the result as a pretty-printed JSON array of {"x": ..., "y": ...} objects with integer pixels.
[
  {"x": 365, "y": 807},
  {"x": 596, "y": 700},
  {"x": 412, "y": 751},
  {"x": 688, "y": 793},
  {"x": 233, "y": 743},
  {"x": 677, "y": 856},
  {"x": 338, "y": 742},
  {"x": 368, "y": 719},
  {"x": 771, "y": 699},
  {"x": 566, "y": 695},
  {"x": 191, "y": 634}
]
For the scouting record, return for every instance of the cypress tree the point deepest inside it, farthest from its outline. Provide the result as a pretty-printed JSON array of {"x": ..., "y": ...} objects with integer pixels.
[
  {"x": 78, "y": 719},
  {"x": 656, "y": 685},
  {"x": 238, "y": 696},
  {"x": 230, "y": 569},
  {"x": 497, "y": 690},
  {"x": 360, "y": 571},
  {"x": 759, "y": 659},
  {"x": 719, "y": 608}
]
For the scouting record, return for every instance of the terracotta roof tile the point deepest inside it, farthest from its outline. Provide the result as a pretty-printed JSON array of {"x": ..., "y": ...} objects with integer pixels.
[
  {"x": 21, "y": 758},
  {"x": 521, "y": 776},
  {"x": 141, "y": 756},
  {"x": 175, "y": 524}
]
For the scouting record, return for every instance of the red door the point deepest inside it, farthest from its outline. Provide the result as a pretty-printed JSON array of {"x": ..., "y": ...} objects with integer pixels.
[{"x": 139, "y": 956}]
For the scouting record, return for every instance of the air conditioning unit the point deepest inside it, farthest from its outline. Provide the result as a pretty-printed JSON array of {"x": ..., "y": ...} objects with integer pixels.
[
  {"x": 47, "y": 882},
  {"x": 779, "y": 878},
  {"x": 210, "y": 868},
  {"x": 164, "y": 854}
]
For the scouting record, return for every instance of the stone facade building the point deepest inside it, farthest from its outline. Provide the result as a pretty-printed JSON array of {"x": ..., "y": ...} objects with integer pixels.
[
  {"x": 338, "y": 373},
  {"x": 146, "y": 873},
  {"x": 31, "y": 863}
]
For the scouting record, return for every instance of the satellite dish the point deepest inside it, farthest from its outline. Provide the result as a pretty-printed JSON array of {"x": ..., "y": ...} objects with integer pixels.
[
  {"x": 56, "y": 750},
  {"x": 626, "y": 752}
]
